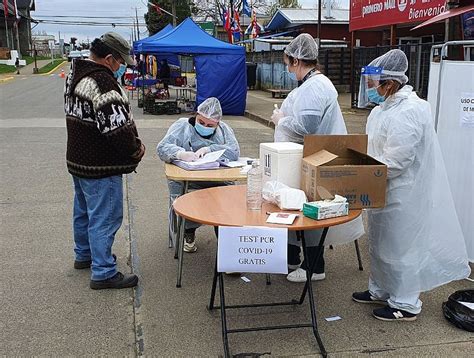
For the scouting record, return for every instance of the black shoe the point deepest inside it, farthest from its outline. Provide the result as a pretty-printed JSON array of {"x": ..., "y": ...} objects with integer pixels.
[
  {"x": 80, "y": 265},
  {"x": 119, "y": 280},
  {"x": 366, "y": 297},
  {"x": 393, "y": 314}
]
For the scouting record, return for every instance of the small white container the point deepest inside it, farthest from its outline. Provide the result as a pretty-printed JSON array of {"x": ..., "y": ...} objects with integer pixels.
[{"x": 281, "y": 161}]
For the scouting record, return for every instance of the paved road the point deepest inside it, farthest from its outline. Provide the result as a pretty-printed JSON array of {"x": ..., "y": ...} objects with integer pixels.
[{"x": 47, "y": 308}]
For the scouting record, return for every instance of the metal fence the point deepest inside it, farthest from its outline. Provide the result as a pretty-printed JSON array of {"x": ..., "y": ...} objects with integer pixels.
[
  {"x": 418, "y": 66},
  {"x": 271, "y": 70}
]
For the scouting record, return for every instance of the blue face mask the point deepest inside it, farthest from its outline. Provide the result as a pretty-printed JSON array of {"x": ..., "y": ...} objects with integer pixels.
[
  {"x": 374, "y": 96},
  {"x": 121, "y": 70},
  {"x": 204, "y": 131},
  {"x": 292, "y": 75}
]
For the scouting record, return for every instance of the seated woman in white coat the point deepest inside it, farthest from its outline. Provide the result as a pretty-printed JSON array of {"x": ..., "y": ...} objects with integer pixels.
[
  {"x": 311, "y": 108},
  {"x": 415, "y": 241},
  {"x": 191, "y": 138}
]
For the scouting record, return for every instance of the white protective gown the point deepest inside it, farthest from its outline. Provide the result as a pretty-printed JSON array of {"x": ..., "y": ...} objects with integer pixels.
[
  {"x": 415, "y": 241},
  {"x": 312, "y": 108}
]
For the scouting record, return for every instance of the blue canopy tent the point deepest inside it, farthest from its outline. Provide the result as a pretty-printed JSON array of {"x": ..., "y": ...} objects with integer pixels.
[
  {"x": 220, "y": 66},
  {"x": 172, "y": 59}
]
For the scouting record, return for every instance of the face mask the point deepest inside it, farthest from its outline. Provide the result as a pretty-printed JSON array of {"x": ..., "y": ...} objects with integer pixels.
[
  {"x": 374, "y": 96},
  {"x": 292, "y": 75},
  {"x": 121, "y": 70},
  {"x": 204, "y": 131}
]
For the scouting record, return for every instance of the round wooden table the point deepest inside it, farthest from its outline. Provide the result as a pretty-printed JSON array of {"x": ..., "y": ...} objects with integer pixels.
[{"x": 227, "y": 206}]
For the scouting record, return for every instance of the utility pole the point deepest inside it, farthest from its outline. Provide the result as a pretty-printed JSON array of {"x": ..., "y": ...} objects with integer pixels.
[
  {"x": 319, "y": 23},
  {"x": 138, "y": 28},
  {"x": 5, "y": 11},
  {"x": 173, "y": 11}
]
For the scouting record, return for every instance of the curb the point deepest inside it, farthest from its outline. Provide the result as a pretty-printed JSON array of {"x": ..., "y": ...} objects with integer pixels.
[
  {"x": 54, "y": 69},
  {"x": 260, "y": 119},
  {"x": 6, "y": 79}
]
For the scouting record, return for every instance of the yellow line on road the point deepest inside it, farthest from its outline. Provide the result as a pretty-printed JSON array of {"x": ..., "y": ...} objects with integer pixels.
[
  {"x": 54, "y": 69},
  {"x": 2, "y": 80}
]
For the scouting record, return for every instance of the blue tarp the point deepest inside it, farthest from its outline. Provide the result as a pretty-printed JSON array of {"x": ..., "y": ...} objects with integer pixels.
[{"x": 220, "y": 66}]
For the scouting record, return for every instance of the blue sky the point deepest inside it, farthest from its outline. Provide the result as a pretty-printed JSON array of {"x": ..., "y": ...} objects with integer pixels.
[{"x": 116, "y": 8}]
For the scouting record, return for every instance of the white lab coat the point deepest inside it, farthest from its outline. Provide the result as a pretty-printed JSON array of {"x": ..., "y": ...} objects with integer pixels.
[
  {"x": 313, "y": 108},
  {"x": 415, "y": 241}
]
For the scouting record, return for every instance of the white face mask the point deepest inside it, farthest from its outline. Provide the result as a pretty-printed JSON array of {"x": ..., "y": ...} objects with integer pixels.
[{"x": 292, "y": 75}]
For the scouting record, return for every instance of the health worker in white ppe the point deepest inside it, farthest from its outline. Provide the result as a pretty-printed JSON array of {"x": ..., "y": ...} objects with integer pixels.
[
  {"x": 189, "y": 139},
  {"x": 415, "y": 241},
  {"x": 311, "y": 108}
]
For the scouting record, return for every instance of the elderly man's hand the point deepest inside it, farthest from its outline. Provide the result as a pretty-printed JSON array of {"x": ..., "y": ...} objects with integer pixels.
[
  {"x": 138, "y": 155},
  {"x": 203, "y": 151},
  {"x": 187, "y": 156},
  {"x": 277, "y": 116}
]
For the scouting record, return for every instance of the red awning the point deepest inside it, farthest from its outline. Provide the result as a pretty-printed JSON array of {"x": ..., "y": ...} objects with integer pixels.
[{"x": 446, "y": 15}]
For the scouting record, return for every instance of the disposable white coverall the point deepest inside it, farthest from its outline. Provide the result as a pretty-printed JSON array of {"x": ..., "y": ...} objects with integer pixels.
[
  {"x": 312, "y": 108},
  {"x": 183, "y": 136},
  {"x": 415, "y": 241}
]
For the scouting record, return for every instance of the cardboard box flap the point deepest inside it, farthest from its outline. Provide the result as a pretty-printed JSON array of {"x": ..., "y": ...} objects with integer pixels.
[
  {"x": 320, "y": 158},
  {"x": 337, "y": 144},
  {"x": 365, "y": 158}
]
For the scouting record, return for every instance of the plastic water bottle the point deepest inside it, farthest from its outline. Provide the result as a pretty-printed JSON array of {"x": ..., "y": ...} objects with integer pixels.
[{"x": 254, "y": 187}]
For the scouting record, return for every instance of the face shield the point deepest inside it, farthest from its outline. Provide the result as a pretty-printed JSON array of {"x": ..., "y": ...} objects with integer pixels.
[{"x": 369, "y": 79}]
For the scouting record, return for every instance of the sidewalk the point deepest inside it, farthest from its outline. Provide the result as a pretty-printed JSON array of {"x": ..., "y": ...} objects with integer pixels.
[{"x": 260, "y": 106}]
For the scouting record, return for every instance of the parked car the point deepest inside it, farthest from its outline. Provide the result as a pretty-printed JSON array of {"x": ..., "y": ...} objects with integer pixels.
[
  {"x": 74, "y": 54},
  {"x": 85, "y": 53}
]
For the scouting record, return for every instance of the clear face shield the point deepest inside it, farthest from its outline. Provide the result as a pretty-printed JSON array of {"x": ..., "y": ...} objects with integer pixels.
[{"x": 369, "y": 82}]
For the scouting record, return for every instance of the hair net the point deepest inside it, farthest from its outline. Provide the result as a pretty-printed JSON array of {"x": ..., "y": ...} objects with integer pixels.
[
  {"x": 303, "y": 47},
  {"x": 394, "y": 64},
  {"x": 211, "y": 108}
]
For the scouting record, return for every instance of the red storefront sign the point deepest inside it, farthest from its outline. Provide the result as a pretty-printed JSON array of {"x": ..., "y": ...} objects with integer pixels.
[{"x": 366, "y": 14}]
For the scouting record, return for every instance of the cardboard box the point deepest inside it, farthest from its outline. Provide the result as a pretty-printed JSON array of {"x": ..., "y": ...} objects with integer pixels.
[
  {"x": 320, "y": 210},
  {"x": 281, "y": 161},
  {"x": 338, "y": 164}
]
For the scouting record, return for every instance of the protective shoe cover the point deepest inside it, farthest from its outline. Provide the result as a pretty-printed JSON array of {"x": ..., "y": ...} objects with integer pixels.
[
  {"x": 415, "y": 241},
  {"x": 457, "y": 313}
]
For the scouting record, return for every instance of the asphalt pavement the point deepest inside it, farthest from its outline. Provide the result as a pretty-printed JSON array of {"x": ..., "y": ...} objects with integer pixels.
[{"x": 47, "y": 308}]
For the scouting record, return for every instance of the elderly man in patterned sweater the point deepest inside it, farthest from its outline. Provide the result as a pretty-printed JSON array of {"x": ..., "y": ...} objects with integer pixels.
[{"x": 102, "y": 144}]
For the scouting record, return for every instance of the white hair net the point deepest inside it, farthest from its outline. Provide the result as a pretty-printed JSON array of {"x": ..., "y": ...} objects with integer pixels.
[
  {"x": 394, "y": 64},
  {"x": 303, "y": 47},
  {"x": 211, "y": 108}
]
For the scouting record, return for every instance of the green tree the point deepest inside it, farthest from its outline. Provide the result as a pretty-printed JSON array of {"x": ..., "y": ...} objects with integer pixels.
[
  {"x": 156, "y": 19},
  {"x": 283, "y": 4}
]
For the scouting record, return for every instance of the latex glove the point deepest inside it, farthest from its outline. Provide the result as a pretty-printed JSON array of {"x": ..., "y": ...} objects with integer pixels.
[
  {"x": 277, "y": 116},
  {"x": 203, "y": 151},
  {"x": 187, "y": 156}
]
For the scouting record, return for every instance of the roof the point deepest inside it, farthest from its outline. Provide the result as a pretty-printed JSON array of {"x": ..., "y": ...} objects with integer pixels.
[
  {"x": 189, "y": 38},
  {"x": 285, "y": 18}
]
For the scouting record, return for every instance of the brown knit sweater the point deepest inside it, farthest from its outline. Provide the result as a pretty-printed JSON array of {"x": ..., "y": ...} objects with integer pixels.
[{"x": 101, "y": 134}]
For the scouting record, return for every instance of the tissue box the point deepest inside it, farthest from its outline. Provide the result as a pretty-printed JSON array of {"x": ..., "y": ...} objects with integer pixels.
[{"x": 320, "y": 210}]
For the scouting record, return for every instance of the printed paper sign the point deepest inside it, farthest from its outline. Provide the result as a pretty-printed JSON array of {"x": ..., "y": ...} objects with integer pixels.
[
  {"x": 252, "y": 249},
  {"x": 466, "y": 113}
]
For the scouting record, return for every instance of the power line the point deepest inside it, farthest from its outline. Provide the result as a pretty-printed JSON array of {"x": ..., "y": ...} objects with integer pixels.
[{"x": 87, "y": 17}]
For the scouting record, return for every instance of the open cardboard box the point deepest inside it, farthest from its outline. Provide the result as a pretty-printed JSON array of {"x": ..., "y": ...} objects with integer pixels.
[{"x": 339, "y": 164}]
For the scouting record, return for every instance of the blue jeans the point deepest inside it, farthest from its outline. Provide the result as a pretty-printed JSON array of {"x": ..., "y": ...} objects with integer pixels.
[{"x": 97, "y": 215}]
